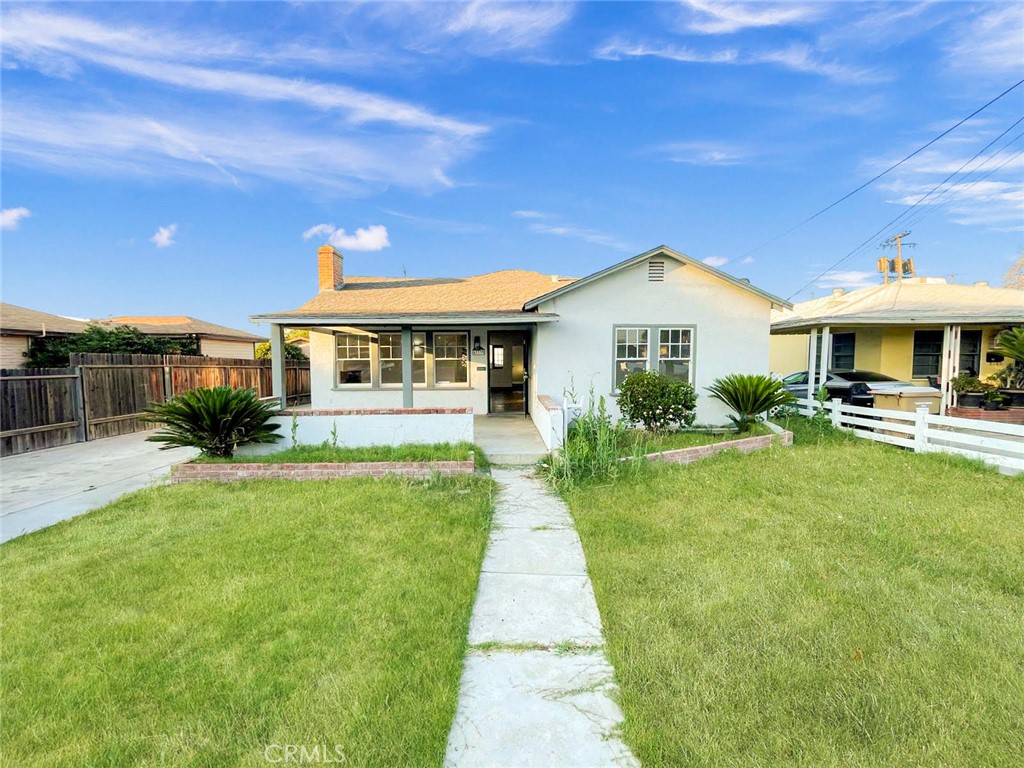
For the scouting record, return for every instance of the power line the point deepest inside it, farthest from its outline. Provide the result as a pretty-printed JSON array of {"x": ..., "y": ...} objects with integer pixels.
[
  {"x": 920, "y": 200},
  {"x": 883, "y": 173}
]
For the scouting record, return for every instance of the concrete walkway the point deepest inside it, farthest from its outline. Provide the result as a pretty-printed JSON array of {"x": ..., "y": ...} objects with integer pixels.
[
  {"x": 509, "y": 439},
  {"x": 536, "y": 687},
  {"x": 44, "y": 487}
]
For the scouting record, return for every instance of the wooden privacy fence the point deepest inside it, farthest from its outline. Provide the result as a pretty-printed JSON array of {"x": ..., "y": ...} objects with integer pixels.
[
  {"x": 102, "y": 395},
  {"x": 1001, "y": 445}
]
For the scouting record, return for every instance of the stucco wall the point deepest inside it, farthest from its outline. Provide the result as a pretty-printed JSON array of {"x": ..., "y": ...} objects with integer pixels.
[
  {"x": 731, "y": 332},
  {"x": 242, "y": 350},
  {"x": 787, "y": 354}
]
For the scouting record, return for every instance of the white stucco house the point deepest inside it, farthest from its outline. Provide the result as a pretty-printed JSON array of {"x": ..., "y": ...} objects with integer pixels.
[{"x": 423, "y": 356}]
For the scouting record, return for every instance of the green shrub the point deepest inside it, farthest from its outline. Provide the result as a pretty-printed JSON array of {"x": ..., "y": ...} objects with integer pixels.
[
  {"x": 1010, "y": 343},
  {"x": 749, "y": 395},
  {"x": 965, "y": 382},
  {"x": 215, "y": 420},
  {"x": 56, "y": 351},
  {"x": 656, "y": 401},
  {"x": 594, "y": 447}
]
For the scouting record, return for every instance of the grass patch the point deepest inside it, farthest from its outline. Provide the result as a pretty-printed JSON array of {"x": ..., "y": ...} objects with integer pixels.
[
  {"x": 840, "y": 603},
  {"x": 192, "y": 625},
  {"x": 655, "y": 442},
  {"x": 327, "y": 453}
]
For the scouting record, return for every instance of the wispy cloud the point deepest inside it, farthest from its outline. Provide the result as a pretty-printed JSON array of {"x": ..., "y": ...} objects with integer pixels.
[
  {"x": 164, "y": 236},
  {"x": 548, "y": 224},
  {"x": 990, "y": 43},
  {"x": 209, "y": 147},
  {"x": 988, "y": 192},
  {"x": 511, "y": 25},
  {"x": 796, "y": 57},
  {"x": 441, "y": 225},
  {"x": 371, "y": 238},
  {"x": 702, "y": 153},
  {"x": 11, "y": 217},
  {"x": 718, "y": 18},
  {"x": 409, "y": 145},
  {"x": 715, "y": 261}
]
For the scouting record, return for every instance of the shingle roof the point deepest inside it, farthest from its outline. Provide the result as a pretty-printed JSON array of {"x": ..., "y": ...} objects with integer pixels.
[
  {"x": 29, "y": 321},
  {"x": 179, "y": 325},
  {"x": 494, "y": 292},
  {"x": 913, "y": 301}
]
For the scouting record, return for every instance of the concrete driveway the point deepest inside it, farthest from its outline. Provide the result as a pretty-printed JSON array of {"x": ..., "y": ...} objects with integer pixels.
[{"x": 44, "y": 487}]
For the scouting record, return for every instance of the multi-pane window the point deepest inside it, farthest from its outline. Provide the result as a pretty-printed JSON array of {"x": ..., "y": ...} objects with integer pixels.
[
  {"x": 630, "y": 352},
  {"x": 353, "y": 358},
  {"x": 927, "y": 354},
  {"x": 451, "y": 358},
  {"x": 674, "y": 353},
  {"x": 970, "y": 352},
  {"x": 843, "y": 348},
  {"x": 391, "y": 358}
]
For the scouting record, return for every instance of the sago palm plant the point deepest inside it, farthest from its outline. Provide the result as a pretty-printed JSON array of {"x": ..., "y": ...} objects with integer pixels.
[
  {"x": 749, "y": 395},
  {"x": 215, "y": 420}
]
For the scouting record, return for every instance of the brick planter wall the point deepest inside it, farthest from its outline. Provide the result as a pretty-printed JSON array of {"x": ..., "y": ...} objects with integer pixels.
[
  {"x": 698, "y": 452},
  {"x": 1009, "y": 416},
  {"x": 420, "y": 470}
]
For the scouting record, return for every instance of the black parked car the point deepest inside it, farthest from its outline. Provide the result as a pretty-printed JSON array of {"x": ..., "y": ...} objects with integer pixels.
[{"x": 851, "y": 386}]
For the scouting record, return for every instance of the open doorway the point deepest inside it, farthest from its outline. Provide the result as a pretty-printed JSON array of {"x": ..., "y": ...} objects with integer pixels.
[{"x": 507, "y": 376}]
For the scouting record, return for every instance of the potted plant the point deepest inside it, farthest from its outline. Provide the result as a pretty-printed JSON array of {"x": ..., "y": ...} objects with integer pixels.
[
  {"x": 994, "y": 400},
  {"x": 969, "y": 390}
]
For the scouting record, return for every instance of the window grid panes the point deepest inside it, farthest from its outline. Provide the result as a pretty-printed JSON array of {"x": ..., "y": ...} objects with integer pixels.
[
  {"x": 353, "y": 358},
  {"x": 843, "y": 348},
  {"x": 674, "y": 353},
  {"x": 451, "y": 362},
  {"x": 631, "y": 352},
  {"x": 391, "y": 358},
  {"x": 970, "y": 352},
  {"x": 927, "y": 354}
]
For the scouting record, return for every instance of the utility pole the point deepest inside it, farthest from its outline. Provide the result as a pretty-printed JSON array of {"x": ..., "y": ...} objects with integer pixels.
[{"x": 897, "y": 265}]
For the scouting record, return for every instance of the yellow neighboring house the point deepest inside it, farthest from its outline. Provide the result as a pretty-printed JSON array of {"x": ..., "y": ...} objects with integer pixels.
[{"x": 919, "y": 329}]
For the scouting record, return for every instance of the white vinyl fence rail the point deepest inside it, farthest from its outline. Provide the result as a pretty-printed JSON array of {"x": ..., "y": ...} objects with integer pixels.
[{"x": 999, "y": 444}]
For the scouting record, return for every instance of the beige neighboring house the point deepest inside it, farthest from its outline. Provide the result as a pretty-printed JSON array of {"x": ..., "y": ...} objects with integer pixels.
[
  {"x": 18, "y": 326},
  {"x": 214, "y": 340}
]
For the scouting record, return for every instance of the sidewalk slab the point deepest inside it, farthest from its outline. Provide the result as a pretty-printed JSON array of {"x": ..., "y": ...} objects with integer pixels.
[
  {"x": 563, "y": 713},
  {"x": 537, "y": 688}
]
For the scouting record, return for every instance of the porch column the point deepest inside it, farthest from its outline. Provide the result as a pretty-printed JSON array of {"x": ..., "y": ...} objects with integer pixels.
[
  {"x": 950, "y": 365},
  {"x": 277, "y": 374},
  {"x": 826, "y": 355},
  {"x": 406, "y": 366},
  {"x": 812, "y": 357}
]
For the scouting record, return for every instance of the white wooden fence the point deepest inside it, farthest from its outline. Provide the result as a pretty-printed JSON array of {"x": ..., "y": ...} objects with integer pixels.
[{"x": 999, "y": 444}]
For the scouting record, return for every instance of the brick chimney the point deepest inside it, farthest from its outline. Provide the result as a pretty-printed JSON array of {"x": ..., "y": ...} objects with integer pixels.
[{"x": 329, "y": 268}]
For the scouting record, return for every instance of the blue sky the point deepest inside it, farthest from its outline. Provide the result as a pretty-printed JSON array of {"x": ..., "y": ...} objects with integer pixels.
[{"x": 188, "y": 158}]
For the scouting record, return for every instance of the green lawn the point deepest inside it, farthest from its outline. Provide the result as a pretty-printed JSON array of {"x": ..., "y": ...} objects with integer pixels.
[
  {"x": 842, "y": 604},
  {"x": 327, "y": 453},
  {"x": 654, "y": 442},
  {"x": 192, "y": 625}
]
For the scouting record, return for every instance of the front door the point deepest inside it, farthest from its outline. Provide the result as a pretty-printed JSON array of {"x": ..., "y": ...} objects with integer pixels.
[{"x": 507, "y": 374}]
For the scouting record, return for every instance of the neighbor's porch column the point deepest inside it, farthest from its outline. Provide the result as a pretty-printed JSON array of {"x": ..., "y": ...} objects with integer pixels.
[
  {"x": 950, "y": 366},
  {"x": 812, "y": 358},
  {"x": 406, "y": 366},
  {"x": 277, "y": 375},
  {"x": 826, "y": 356}
]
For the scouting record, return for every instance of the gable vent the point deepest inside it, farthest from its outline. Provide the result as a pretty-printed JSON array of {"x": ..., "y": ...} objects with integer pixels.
[{"x": 655, "y": 271}]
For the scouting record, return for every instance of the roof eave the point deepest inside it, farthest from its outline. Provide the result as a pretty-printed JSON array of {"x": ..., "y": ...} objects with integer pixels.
[
  {"x": 817, "y": 322},
  {"x": 455, "y": 318}
]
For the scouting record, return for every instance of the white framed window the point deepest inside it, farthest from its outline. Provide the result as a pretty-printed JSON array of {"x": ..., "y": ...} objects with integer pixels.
[
  {"x": 391, "y": 358},
  {"x": 631, "y": 352},
  {"x": 353, "y": 359},
  {"x": 674, "y": 353},
  {"x": 451, "y": 358}
]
